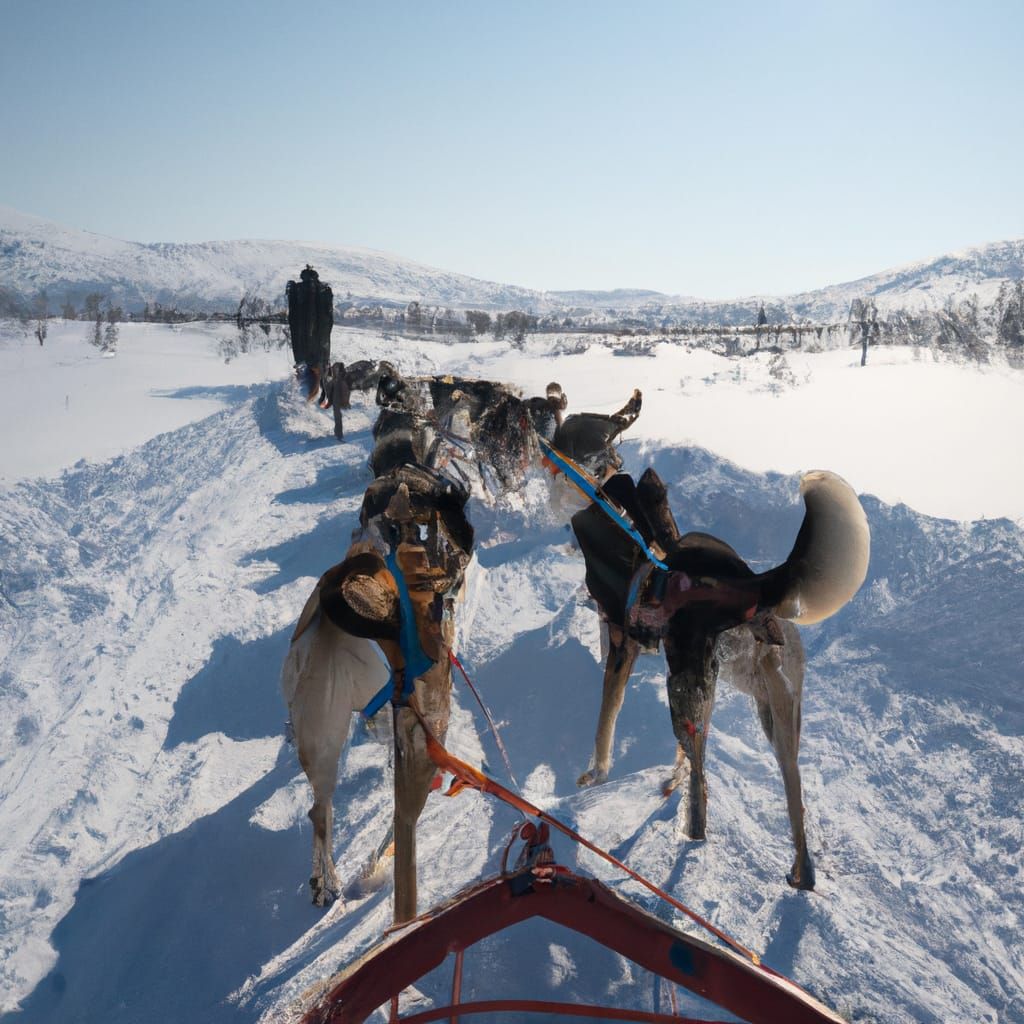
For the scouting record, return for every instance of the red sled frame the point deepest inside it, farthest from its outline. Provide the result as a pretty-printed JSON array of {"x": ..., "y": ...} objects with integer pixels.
[{"x": 751, "y": 991}]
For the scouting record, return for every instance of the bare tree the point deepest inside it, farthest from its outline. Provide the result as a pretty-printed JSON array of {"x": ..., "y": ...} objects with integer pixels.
[
  {"x": 91, "y": 310},
  {"x": 480, "y": 322},
  {"x": 39, "y": 312},
  {"x": 1010, "y": 316},
  {"x": 864, "y": 313},
  {"x": 97, "y": 334},
  {"x": 111, "y": 333}
]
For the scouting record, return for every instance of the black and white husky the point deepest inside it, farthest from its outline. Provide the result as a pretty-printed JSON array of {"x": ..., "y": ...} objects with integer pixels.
[{"x": 714, "y": 615}]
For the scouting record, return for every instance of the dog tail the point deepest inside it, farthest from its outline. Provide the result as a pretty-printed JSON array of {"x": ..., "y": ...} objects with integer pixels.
[{"x": 829, "y": 560}]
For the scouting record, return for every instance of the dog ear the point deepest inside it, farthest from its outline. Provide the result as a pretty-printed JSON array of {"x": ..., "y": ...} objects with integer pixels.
[
  {"x": 400, "y": 506},
  {"x": 556, "y": 396},
  {"x": 308, "y": 614},
  {"x": 652, "y": 496}
]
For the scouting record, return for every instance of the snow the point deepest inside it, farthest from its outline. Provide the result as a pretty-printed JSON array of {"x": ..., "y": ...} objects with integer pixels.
[
  {"x": 63, "y": 401},
  {"x": 159, "y": 535},
  {"x": 36, "y": 253},
  {"x": 907, "y": 427}
]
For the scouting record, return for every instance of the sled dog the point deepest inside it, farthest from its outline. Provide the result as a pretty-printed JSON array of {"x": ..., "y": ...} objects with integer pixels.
[
  {"x": 414, "y": 533},
  {"x": 714, "y": 614}
]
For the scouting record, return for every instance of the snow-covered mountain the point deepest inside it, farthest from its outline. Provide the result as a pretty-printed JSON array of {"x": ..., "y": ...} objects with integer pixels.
[
  {"x": 153, "y": 841},
  {"x": 213, "y": 276}
]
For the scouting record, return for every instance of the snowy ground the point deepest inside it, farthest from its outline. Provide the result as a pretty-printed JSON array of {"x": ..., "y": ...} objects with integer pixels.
[
  {"x": 64, "y": 401},
  {"x": 154, "y": 844},
  {"x": 934, "y": 435}
]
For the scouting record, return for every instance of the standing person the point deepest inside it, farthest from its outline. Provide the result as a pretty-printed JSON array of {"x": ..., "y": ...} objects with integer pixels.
[{"x": 310, "y": 319}]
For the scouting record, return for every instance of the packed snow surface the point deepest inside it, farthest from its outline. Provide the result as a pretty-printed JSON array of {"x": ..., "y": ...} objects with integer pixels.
[{"x": 154, "y": 847}]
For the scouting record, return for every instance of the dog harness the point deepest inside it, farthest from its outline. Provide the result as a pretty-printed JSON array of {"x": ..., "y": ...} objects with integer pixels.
[
  {"x": 584, "y": 482},
  {"x": 416, "y": 660}
]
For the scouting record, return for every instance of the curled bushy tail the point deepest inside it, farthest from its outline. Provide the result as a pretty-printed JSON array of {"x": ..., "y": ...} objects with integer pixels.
[{"x": 829, "y": 560}]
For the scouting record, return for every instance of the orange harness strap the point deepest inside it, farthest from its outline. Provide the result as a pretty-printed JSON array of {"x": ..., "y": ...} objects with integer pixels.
[{"x": 468, "y": 777}]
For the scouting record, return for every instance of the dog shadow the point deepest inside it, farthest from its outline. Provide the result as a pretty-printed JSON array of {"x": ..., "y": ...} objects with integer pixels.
[
  {"x": 309, "y": 555},
  {"x": 229, "y": 394},
  {"x": 170, "y": 931},
  {"x": 794, "y": 914},
  {"x": 331, "y": 483},
  {"x": 236, "y": 693}
]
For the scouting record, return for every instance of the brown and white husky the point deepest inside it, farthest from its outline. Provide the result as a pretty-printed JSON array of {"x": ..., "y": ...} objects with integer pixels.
[{"x": 415, "y": 511}]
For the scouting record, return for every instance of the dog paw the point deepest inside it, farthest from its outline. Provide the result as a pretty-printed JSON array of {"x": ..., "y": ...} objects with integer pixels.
[
  {"x": 372, "y": 879},
  {"x": 322, "y": 893},
  {"x": 592, "y": 777},
  {"x": 670, "y": 785},
  {"x": 802, "y": 879}
]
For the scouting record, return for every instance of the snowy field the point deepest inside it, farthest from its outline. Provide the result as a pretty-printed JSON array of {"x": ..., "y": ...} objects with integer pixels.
[
  {"x": 153, "y": 840},
  {"x": 933, "y": 435},
  {"x": 64, "y": 401}
]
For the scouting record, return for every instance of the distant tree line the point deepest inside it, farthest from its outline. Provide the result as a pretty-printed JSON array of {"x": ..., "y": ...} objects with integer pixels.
[
  {"x": 966, "y": 328},
  {"x": 260, "y": 327}
]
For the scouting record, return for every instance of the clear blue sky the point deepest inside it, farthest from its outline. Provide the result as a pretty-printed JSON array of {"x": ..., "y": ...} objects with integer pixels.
[{"x": 712, "y": 149}]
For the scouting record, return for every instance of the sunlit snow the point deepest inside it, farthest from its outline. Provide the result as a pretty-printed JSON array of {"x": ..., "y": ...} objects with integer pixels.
[{"x": 154, "y": 847}]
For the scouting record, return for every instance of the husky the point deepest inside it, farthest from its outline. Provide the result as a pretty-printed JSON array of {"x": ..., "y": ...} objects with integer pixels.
[
  {"x": 714, "y": 615},
  {"x": 588, "y": 438},
  {"x": 328, "y": 674},
  {"x": 414, "y": 511}
]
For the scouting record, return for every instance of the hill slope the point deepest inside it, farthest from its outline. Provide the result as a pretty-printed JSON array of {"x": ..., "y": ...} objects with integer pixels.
[{"x": 212, "y": 276}]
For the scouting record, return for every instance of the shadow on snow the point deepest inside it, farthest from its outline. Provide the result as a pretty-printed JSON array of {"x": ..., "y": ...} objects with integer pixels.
[{"x": 170, "y": 931}]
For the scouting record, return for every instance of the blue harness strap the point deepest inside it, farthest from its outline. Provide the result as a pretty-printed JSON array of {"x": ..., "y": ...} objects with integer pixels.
[
  {"x": 589, "y": 486},
  {"x": 416, "y": 660}
]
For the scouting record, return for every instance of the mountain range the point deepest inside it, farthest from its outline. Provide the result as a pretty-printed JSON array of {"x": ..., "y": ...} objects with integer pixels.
[{"x": 36, "y": 254}]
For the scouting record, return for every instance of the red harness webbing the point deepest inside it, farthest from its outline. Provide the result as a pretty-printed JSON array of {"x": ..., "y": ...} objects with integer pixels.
[
  {"x": 466, "y": 776},
  {"x": 487, "y": 714}
]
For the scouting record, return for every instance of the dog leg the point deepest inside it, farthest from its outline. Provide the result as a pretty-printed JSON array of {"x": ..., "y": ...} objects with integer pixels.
[
  {"x": 326, "y": 675},
  {"x": 782, "y": 669},
  {"x": 319, "y": 753},
  {"x": 693, "y": 673},
  {"x": 414, "y": 771},
  {"x": 323, "y": 882},
  {"x": 671, "y": 784},
  {"x": 622, "y": 653}
]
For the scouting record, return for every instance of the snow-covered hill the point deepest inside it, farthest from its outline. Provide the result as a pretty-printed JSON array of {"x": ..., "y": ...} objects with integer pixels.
[
  {"x": 211, "y": 276},
  {"x": 153, "y": 840},
  {"x": 927, "y": 285}
]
